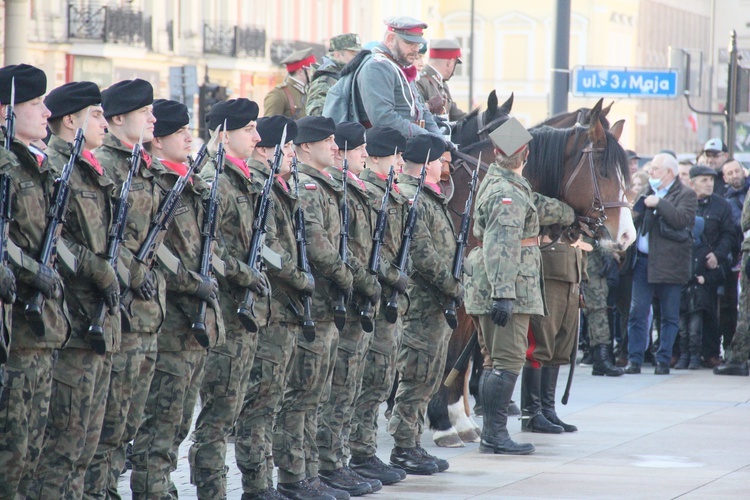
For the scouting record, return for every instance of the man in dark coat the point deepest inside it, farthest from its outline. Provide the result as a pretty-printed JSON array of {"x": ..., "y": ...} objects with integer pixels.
[{"x": 665, "y": 217}]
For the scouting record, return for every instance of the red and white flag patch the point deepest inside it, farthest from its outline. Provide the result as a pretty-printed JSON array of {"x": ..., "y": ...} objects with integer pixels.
[
  {"x": 507, "y": 201},
  {"x": 311, "y": 186}
]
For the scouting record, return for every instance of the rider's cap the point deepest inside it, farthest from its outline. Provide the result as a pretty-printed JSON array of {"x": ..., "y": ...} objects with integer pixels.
[
  {"x": 271, "y": 128},
  {"x": 299, "y": 59},
  {"x": 170, "y": 116},
  {"x": 408, "y": 28},
  {"x": 510, "y": 137},
  {"x": 445, "y": 49}
]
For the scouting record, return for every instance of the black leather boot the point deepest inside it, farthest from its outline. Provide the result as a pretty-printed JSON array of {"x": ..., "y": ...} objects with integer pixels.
[
  {"x": 731, "y": 368},
  {"x": 532, "y": 419},
  {"x": 602, "y": 364},
  {"x": 549, "y": 384},
  {"x": 496, "y": 388}
]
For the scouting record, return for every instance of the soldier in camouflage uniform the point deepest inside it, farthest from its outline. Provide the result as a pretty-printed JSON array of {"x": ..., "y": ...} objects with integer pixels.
[
  {"x": 334, "y": 422},
  {"x": 81, "y": 376},
  {"x": 179, "y": 365},
  {"x": 740, "y": 346},
  {"x": 381, "y": 351},
  {"x": 127, "y": 107},
  {"x": 26, "y": 382},
  {"x": 289, "y": 98},
  {"x": 433, "y": 79},
  {"x": 276, "y": 342},
  {"x": 309, "y": 378},
  {"x": 595, "y": 293},
  {"x": 341, "y": 50},
  {"x": 228, "y": 366},
  {"x": 506, "y": 285},
  {"x": 421, "y": 359}
]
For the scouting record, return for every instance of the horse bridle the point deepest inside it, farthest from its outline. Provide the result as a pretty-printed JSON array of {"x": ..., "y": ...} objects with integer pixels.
[
  {"x": 483, "y": 129},
  {"x": 592, "y": 223}
]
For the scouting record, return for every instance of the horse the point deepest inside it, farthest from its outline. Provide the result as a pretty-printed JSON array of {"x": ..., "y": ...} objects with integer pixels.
[
  {"x": 581, "y": 116},
  {"x": 477, "y": 125},
  {"x": 599, "y": 169}
]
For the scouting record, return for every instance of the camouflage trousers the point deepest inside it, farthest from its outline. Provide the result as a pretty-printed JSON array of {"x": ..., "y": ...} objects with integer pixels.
[
  {"x": 80, "y": 382},
  {"x": 504, "y": 347},
  {"x": 25, "y": 389},
  {"x": 169, "y": 402},
  {"x": 129, "y": 382},
  {"x": 377, "y": 382},
  {"x": 420, "y": 364},
  {"x": 740, "y": 345},
  {"x": 225, "y": 380},
  {"x": 308, "y": 385},
  {"x": 595, "y": 293},
  {"x": 335, "y": 416},
  {"x": 254, "y": 426},
  {"x": 551, "y": 337}
]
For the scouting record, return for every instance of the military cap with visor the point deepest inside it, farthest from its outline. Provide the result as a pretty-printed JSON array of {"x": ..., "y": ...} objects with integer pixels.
[
  {"x": 383, "y": 141},
  {"x": 128, "y": 95},
  {"x": 30, "y": 83},
  {"x": 409, "y": 29},
  {"x": 314, "y": 129},
  {"x": 510, "y": 137},
  {"x": 445, "y": 49},
  {"x": 349, "y": 135},
  {"x": 299, "y": 59},
  {"x": 237, "y": 113},
  {"x": 418, "y": 146},
  {"x": 348, "y": 41},
  {"x": 271, "y": 128},
  {"x": 171, "y": 116},
  {"x": 72, "y": 98}
]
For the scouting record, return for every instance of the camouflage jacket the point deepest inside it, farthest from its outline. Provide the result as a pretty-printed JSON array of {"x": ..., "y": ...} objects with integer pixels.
[
  {"x": 432, "y": 248},
  {"x": 397, "y": 210},
  {"x": 286, "y": 99},
  {"x": 323, "y": 79},
  {"x": 281, "y": 238},
  {"x": 184, "y": 240},
  {"x": 85, "y": 232},
  {"x": 31, "y": 189},
  {"x": 7, "y": 159},
  {"x": 437, "y": 95},
  {"x": 144, "y": 316},
  {"x": 360, "y": 236},
  {"x": 505, "y": 213},
  {"x": 320, "y": 195},
  {"x": 234, "y": 230}
]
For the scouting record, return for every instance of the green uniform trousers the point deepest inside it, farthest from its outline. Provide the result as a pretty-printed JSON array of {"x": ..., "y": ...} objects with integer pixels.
[
  {"x": 505, "y": 345},
  {"x": 295, "y": 450},
  {"x": 551, "y": 337},
  {"x": 79, "y": 395},
  {"x": 24, "y": 403},
  {"x": 254, "y": 427},
  {"x": 420, "y": 363}
]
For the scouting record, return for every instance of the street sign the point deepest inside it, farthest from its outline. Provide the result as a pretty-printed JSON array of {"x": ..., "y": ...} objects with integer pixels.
[{"x": 624, "y": 82}]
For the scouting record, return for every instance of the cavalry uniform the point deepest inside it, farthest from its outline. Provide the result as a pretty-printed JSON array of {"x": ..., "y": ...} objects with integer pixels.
[
  {"x": 437, "y": 95},
  {"x": 81, "y": 376},
  {"x": 289, "y": 97},
  {"x": 25, "y": 388}
]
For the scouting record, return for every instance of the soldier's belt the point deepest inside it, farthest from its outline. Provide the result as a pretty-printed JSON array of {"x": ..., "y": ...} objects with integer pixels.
[{"x": 526, "y": 242}]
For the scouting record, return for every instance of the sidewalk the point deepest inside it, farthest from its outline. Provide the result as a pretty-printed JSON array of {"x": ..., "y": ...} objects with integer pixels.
[{"x": 640, "y": 436}]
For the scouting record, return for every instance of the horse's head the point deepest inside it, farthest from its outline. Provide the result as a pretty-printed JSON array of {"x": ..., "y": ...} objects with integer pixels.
[
  {"x": 581, "y": 116},
  {"x": 477, "y": 125},
  {"x": 595, "y": 186}
]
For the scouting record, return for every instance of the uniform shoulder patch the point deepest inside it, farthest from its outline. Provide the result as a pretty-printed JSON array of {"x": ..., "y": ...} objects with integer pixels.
[
  {"x": 507, "y": 201},
  {"x": 311, "y": 186}
]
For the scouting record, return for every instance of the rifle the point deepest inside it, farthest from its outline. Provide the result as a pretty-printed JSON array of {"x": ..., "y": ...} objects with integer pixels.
[
  {"x": 461, "y": 240},
  {"x": 391, "y": 308},
  {"x": 114, "y": 240},
  {"x": 339, "y": 306},
  {"x": 308, "y": 326},
  {"x": 10, "y": 116},
  {"x": 5, "y": 218},
  {"x": 378, "y": 238},
  {"x": 56, "y": 215},
  {"x": 246, "y": 312},
  {"x": 208, "y": 234}
]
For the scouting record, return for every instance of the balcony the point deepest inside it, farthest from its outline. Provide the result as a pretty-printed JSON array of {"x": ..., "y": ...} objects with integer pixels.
[
  {"x": 109, "y": 24},
  {"x": 234, "y": 41}
]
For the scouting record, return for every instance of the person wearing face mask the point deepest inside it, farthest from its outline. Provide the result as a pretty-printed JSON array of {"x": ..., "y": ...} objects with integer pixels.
[{"x": 662, "y": 263}]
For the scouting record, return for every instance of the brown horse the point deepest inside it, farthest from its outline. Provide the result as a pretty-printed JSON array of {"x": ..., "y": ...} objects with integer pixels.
[{"x": 583, "y": 166}]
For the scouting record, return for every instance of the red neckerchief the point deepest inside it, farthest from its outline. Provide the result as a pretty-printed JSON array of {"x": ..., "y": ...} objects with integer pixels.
[
  {"x": 283, "y": 183},
  {"x": 89, "y": 156},
  {"x": 144, "y": 155},
  {"x": 239, "y": 164},
  {"x": 385, "y": 178},
  {"x": 176, "y": 167},
  {"x": 39, "y": 160},
  {"x": 409, "y": 72},
  {"x": 434, "y": 187}
]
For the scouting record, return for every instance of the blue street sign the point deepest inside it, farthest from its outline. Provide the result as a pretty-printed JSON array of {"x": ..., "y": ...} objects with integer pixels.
[{"x": 624, "y": 82}]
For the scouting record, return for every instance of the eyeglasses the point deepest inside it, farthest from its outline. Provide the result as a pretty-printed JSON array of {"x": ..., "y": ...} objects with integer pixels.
[{"x": 712, "y": 154}]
